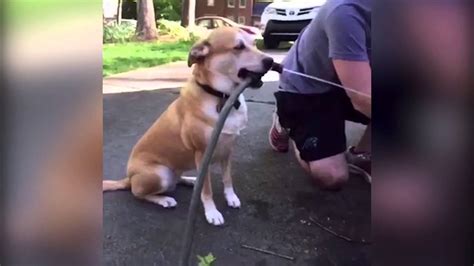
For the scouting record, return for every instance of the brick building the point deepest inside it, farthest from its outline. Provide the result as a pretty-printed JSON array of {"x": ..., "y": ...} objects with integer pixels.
[{"x": 239, "y": 11}]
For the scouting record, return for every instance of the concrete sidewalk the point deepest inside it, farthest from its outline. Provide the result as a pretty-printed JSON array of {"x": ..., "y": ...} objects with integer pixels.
[
  {"x": 278, "y": 199},
  {"x": 172, "y": 75}
]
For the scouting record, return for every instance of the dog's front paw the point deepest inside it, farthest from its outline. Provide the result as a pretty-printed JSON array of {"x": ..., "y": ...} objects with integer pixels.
[
  {"x": 214, "y": 217},
  {"x": 232, "y": 200}
]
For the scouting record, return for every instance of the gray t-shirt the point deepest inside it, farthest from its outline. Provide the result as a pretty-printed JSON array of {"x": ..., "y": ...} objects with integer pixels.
[{"x": 341, "y": 30}]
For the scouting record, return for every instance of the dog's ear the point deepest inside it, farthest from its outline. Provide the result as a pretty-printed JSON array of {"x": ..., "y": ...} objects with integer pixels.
[{"x": 198, "y": 52}]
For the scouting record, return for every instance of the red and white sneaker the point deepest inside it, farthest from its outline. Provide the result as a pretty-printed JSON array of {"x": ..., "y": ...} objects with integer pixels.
[{"x": 278, "y": 136}]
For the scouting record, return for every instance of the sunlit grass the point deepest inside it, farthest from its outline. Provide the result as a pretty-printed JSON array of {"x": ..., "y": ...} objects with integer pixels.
[
  {"x": 23, "y": 13},
  {"x": 124, "y": 57}
]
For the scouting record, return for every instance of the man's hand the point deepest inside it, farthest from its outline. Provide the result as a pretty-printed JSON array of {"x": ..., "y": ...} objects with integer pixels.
[{"x": 356, "y": 75}]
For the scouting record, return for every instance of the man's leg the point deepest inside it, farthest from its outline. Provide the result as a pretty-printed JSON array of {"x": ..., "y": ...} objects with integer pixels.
[
  {"x": 316, "y": 127},
  {"x": 303, "y": 164},
  {"x": 359, "y": 157},
  {"x": 330, "y": 173}
]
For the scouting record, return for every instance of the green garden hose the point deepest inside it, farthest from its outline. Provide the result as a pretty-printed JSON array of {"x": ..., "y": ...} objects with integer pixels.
[{"x": 189, "y": 230}]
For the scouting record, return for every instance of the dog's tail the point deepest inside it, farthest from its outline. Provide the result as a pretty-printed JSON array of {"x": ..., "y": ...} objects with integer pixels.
[{"x": 111, "y": 185}]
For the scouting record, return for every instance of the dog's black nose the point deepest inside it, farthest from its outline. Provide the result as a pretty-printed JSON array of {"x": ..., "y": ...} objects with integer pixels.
[{"x": 267, "y": 63}]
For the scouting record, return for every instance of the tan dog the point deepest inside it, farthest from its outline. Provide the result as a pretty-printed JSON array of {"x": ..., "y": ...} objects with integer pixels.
[{"x": 177, "y": 140}]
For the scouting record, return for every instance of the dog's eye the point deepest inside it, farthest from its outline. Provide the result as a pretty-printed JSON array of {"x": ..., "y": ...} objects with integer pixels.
[{"x": 240, "y": 46}]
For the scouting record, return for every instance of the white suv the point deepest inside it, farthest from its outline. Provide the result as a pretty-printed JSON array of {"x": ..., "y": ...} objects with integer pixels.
[{"x": 283, "y": 20}]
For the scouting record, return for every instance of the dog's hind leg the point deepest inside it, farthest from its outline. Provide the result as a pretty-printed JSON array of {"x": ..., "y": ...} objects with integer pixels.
[
  {"x": 152, "y": 181},
  {"x": 165, "y": 201}
]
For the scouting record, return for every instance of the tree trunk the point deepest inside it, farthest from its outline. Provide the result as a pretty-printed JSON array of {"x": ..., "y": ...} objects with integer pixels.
[
  {"x": 146, "y": 24},
  {"x": 119, "y": 12},
  {"x": 191, "y": 12},
  {"x": 184, "y": 4}
]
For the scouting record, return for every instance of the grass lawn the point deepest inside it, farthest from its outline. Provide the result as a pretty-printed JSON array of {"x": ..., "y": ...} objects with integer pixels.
[{"x": 122, "y": 57}]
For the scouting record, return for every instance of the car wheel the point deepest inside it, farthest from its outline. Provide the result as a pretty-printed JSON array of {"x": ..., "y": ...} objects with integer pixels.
[{"x": 270, "y": 43}]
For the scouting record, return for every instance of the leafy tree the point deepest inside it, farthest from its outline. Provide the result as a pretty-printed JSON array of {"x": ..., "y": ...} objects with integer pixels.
[
  {"x": 168, "y": 9},
  {"x": 164, "y": 9}
]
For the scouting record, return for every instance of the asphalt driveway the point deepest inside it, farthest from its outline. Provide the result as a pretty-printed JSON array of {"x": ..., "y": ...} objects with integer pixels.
[{"x": 279, "y": 202}]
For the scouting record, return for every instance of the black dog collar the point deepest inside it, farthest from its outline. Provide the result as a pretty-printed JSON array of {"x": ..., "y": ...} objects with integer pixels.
[{"x": 222, "y": 96}]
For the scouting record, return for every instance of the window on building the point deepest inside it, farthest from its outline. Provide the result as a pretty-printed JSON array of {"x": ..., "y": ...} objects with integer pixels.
[
  {"x": 210, "y": 2},
  {"x": 241, "y": 20},
  {"x": 231, "y": 18},
  {"x": 230, "y": 3},
  {"x": 242, "y": 3}
]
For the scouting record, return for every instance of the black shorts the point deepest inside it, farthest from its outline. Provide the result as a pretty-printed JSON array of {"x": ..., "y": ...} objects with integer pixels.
[{"x": 316, "y": 122}]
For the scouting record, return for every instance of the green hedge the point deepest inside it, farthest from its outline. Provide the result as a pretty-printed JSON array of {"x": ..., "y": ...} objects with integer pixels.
[
  {"x": 175, "y": 30},
  {"x": 125, "y": 32},
  {"x": 118, "y": 33}
]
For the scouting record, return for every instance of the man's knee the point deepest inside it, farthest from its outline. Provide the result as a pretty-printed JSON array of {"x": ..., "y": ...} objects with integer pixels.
[{"x": 330, "y": 177}]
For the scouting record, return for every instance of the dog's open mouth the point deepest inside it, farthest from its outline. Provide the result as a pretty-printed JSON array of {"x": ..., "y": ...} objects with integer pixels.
[{"x": 255, "y": 77}]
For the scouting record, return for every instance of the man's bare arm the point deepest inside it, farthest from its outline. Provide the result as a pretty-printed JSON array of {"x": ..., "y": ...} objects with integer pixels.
[{"x": 356, "y": 75}]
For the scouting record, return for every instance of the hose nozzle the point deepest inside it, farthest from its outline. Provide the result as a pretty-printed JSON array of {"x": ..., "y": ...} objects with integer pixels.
[{"x": 277, "y": 67}]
